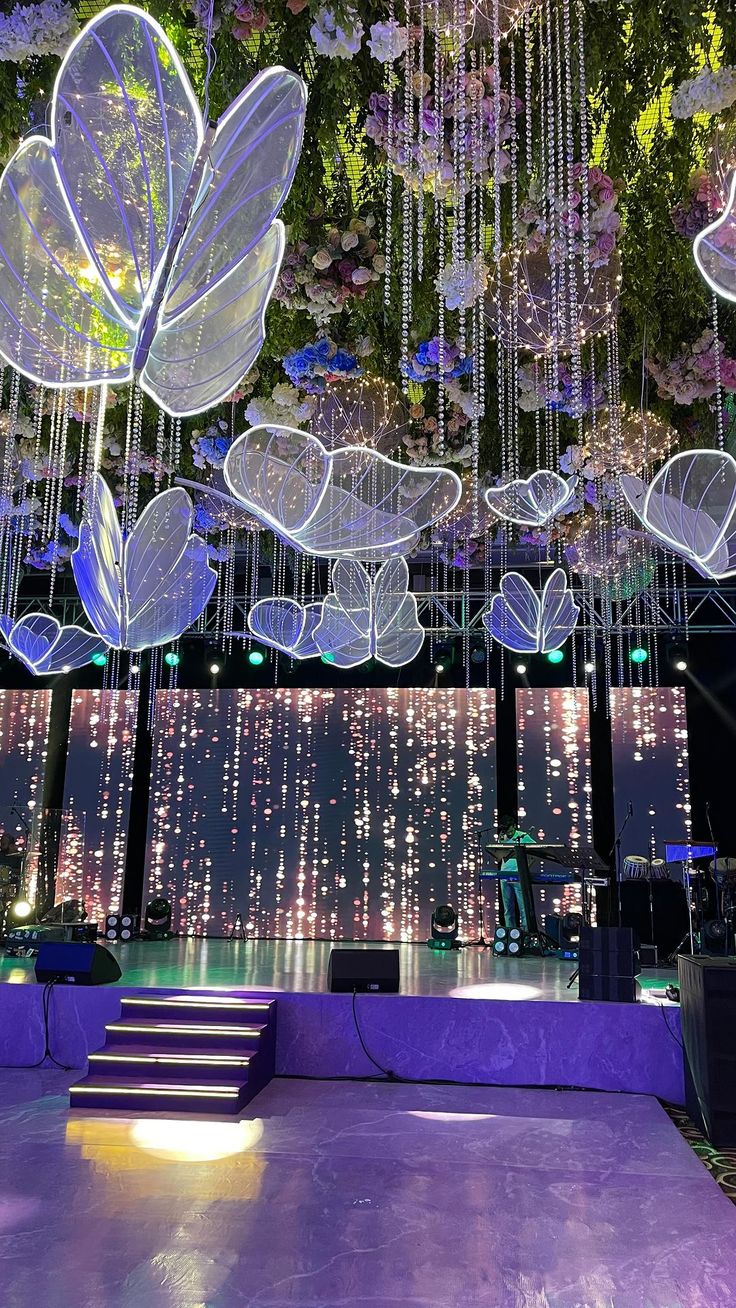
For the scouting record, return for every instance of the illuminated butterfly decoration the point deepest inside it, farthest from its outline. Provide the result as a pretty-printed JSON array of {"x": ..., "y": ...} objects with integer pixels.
[
  {"x": 287, "y": 625},
  {"x": 714, "y": 249},
  {"x": 363, "y": 619},
  {"x": 690, "y": 507},
  {"x": 532, "y": 501},
  {"x": 528, "y": 623},
  {"x": 136, "y": 241},
  {"x": 45, "y": 647},
  {"x": 147, "y": 588}
]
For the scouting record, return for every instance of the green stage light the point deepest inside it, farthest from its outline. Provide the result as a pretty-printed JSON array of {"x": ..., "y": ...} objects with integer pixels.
[
  {"x": 172, "y": 659},
  {"x": 328, "y": 658},
  {"x": 99, "y": 659},
  {"x": 256, "y": 657},
  {"x": 638, "y": 655},
  {"x": 555, "y": 655}
]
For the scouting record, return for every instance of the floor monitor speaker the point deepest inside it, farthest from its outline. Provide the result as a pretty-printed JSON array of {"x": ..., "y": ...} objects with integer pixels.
[
  {"x": 365, "y": 970},
  {"x": 76, "y": 964}
]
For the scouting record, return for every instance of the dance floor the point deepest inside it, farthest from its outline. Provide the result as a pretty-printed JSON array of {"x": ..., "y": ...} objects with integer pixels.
[
  {"x": 362, "y": 1196},
  {"x": 301, "y": 966}
]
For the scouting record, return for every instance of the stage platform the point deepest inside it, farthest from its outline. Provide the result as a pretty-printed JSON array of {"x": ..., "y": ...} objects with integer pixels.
[{"x": 463, "y": 1016}]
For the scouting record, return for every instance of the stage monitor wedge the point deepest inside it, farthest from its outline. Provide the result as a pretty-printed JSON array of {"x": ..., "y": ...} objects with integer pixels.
[
  {"x": 368, "y": 971},
  {"x": 76, "y": 964}
]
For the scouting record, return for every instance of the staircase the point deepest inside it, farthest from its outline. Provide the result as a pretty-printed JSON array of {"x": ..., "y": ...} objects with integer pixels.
[{"x": 182, "y": 1053}]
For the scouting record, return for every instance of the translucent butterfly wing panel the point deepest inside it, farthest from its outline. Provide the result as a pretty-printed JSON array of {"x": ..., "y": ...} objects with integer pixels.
[
  {"x": 715, "y": 249},
  {"x": 189, "y": 586},
  {"x": 397, "y": 635},
  {"x": 57, "y": 325},
  {"x": 97, "y": 564},
  {"x": 692, "y": 505},
  {"x": 250, "y": 169},
  {"x": 558, "y": 613},
  {"x": 127, "y": 131},
  {"x": 513, "y": 618},
  {"x": 280, "y": 475},
  {"x": 345, "y": 628},
  {"x": 198, "y": 358}
]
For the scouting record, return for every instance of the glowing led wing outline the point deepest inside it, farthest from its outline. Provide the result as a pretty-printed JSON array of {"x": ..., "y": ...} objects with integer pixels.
[
  {"x": 522, "y": 621},
  {"x": 352, "y": 502},
  {"x": 88, "y": 334},
  {"x": 533, "y": 500},
  {"x": 704, "y": 534},
  {"x": 46, "y": 648},
  {"x": 706, "y": 247},
  {"x": 363, "y": 619},
  {"x": 287, "y": 626},
  {"x": 147, "y": 589}
]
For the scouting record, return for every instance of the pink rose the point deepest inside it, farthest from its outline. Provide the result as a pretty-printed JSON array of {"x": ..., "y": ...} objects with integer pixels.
[
  {"x": 296, "y": 6},
  {"x": 606, "y": 243},
  {"x": 595, "y": 175},
  {"x": 361, "y": 276},
  {"x": 606, "y": 194}
]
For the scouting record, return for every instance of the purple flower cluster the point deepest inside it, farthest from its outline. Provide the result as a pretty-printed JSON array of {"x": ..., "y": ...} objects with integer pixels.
[
  {"x": 309, "y": 366},
  {"x": 702, "y": 204},
  {"x": 424, "y": 364}
]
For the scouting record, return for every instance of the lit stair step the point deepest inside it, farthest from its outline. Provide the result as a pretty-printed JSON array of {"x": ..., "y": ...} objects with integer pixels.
[
  {"x": 162, "y": 1033},
  {"x": 159, "y": 1096},
  {"x": 172, "y": 1064},
  {"x": 198, "y": 1008}
]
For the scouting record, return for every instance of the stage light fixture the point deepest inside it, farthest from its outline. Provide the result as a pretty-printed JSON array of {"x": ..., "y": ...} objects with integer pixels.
[
  {"x": 678, "y": 656},
  {"x": 681, "y": 664},
  {"x": 256, "y": 657},
  {"x": 589, "y": 667},
  {"x": 555, "y": 655},
  {"x": 478, "y": 652},
  {"x": 444, "y": 655},
  {"x": 440, "y": 667},
  {"x": 135, "y": 669},
  {"x": 214, "y": 669},
  {"x": 172, "y": 659},
  {"x": 327, "y": 658},
  {"x": 444, "y": 928},
  {"x": 520, "y": 669},
  {"x": 639, "y": 655},
  {"x": 508, "y": 940},
  {"x": 99, "y": 659},
  {"x": 157, "y": 922},
  {"x": 20, "y": 910}
]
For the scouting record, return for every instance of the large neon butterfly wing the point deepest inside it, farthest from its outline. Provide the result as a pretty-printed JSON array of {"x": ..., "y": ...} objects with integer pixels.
[
  {"x": 344, "y": 634},
  {"x": 97, "y": 564},
  {"x": 286, "y": 625},
  {"x": 396, "y": 635},
  {"x": 168, "y": 581},
  {"x": 691, "y": 508},
  {"x": 46, "y": 647},
  {"x": 558, "y": 613},
  {"x": 57, "y": 324},
  {"x": 127, "y": 130},
  {"x": 714, "y": 249},
  {"x": 513, "y": 618},
  {"x": 211, "y": 323}
]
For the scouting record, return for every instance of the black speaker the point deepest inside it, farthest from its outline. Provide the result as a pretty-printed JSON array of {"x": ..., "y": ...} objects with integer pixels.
[
  {"x": 366, "y": 970},
  {"x": 708, "y": 1017},
  {"x": 76, "y": 964},
  {"x": 609, "y": 964}
]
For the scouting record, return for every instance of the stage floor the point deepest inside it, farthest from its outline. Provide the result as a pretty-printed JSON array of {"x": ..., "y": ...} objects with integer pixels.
[
  {"x": 300, "y": 966},
  {"x": 362, "y": 1195}
]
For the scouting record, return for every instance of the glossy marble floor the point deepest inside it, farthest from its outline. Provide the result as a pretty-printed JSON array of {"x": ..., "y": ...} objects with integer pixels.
[
  {"x": 359, "y": 1196},
  {"x": 301, "y": 965}
]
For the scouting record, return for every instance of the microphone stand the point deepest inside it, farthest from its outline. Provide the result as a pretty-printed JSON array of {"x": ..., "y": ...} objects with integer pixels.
[
  {"x": 715, "y": 875},
  {"x": 615, "y": 855},
  {"x": 481, "y": 942}
]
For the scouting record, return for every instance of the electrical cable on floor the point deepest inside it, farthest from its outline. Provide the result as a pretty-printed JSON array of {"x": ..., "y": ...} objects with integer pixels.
[
  {"x": 675, "y": 1037},
  {"x": 46, "y": 1008}
]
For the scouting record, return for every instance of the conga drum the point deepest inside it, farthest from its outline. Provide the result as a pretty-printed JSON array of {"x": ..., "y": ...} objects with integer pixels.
[{"x": 635, "y": 868}]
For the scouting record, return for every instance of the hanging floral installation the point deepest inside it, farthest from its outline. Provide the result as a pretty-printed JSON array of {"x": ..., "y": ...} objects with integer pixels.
[{"x": 488, "y": 244}]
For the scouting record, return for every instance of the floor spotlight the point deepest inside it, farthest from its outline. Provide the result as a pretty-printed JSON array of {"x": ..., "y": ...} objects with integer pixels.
[
  {"x": 508, "y": 940},
  {"x": 157, "y": 922},
  {"x": 20, "y": 910},
  {"x": 444, "y": 928}
]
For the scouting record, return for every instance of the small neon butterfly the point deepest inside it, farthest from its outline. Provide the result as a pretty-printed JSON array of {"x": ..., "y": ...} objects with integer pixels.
[
  {"x": 524, "y": 621},
  {"x": 136, "y": 241}
]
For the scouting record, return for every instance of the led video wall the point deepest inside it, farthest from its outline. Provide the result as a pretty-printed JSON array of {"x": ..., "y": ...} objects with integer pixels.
[
  {"x": 24, "y": 726},
  {"x": 554, "y": 778},
  {"x": 341, "y": 814},
  {"x": 650, "y": 767},
  {"x": 97, "y": 788}
]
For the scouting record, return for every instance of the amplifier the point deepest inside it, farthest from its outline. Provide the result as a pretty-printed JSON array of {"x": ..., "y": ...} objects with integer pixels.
[{"x": 27, "y": 940}]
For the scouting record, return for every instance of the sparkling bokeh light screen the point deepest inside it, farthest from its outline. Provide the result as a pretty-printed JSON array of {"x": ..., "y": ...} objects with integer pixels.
[
  {"x": 554, "y": 778},
  {"x": 24, "y": 727},
  {"x": 341, "y": 814},
  {"x": 97, "y": 791},
  {"x": 650, "y": 767}
]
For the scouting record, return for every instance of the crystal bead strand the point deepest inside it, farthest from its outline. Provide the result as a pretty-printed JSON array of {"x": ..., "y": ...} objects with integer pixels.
[
  {"x": 407, "y": 209},
  {"x": 389, "y": 179},
  {"x": 420, "y": 139},
  {"x": 719, "y": 389}
]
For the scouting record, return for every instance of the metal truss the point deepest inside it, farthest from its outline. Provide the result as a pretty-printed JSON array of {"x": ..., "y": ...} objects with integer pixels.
[{"x": 703, "y": 609}]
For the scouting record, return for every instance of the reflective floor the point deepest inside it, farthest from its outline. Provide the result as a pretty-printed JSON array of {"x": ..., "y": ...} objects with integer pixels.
[
  {"x": 302, "y": 965},
  {"x": 359, "y": 1196}
]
